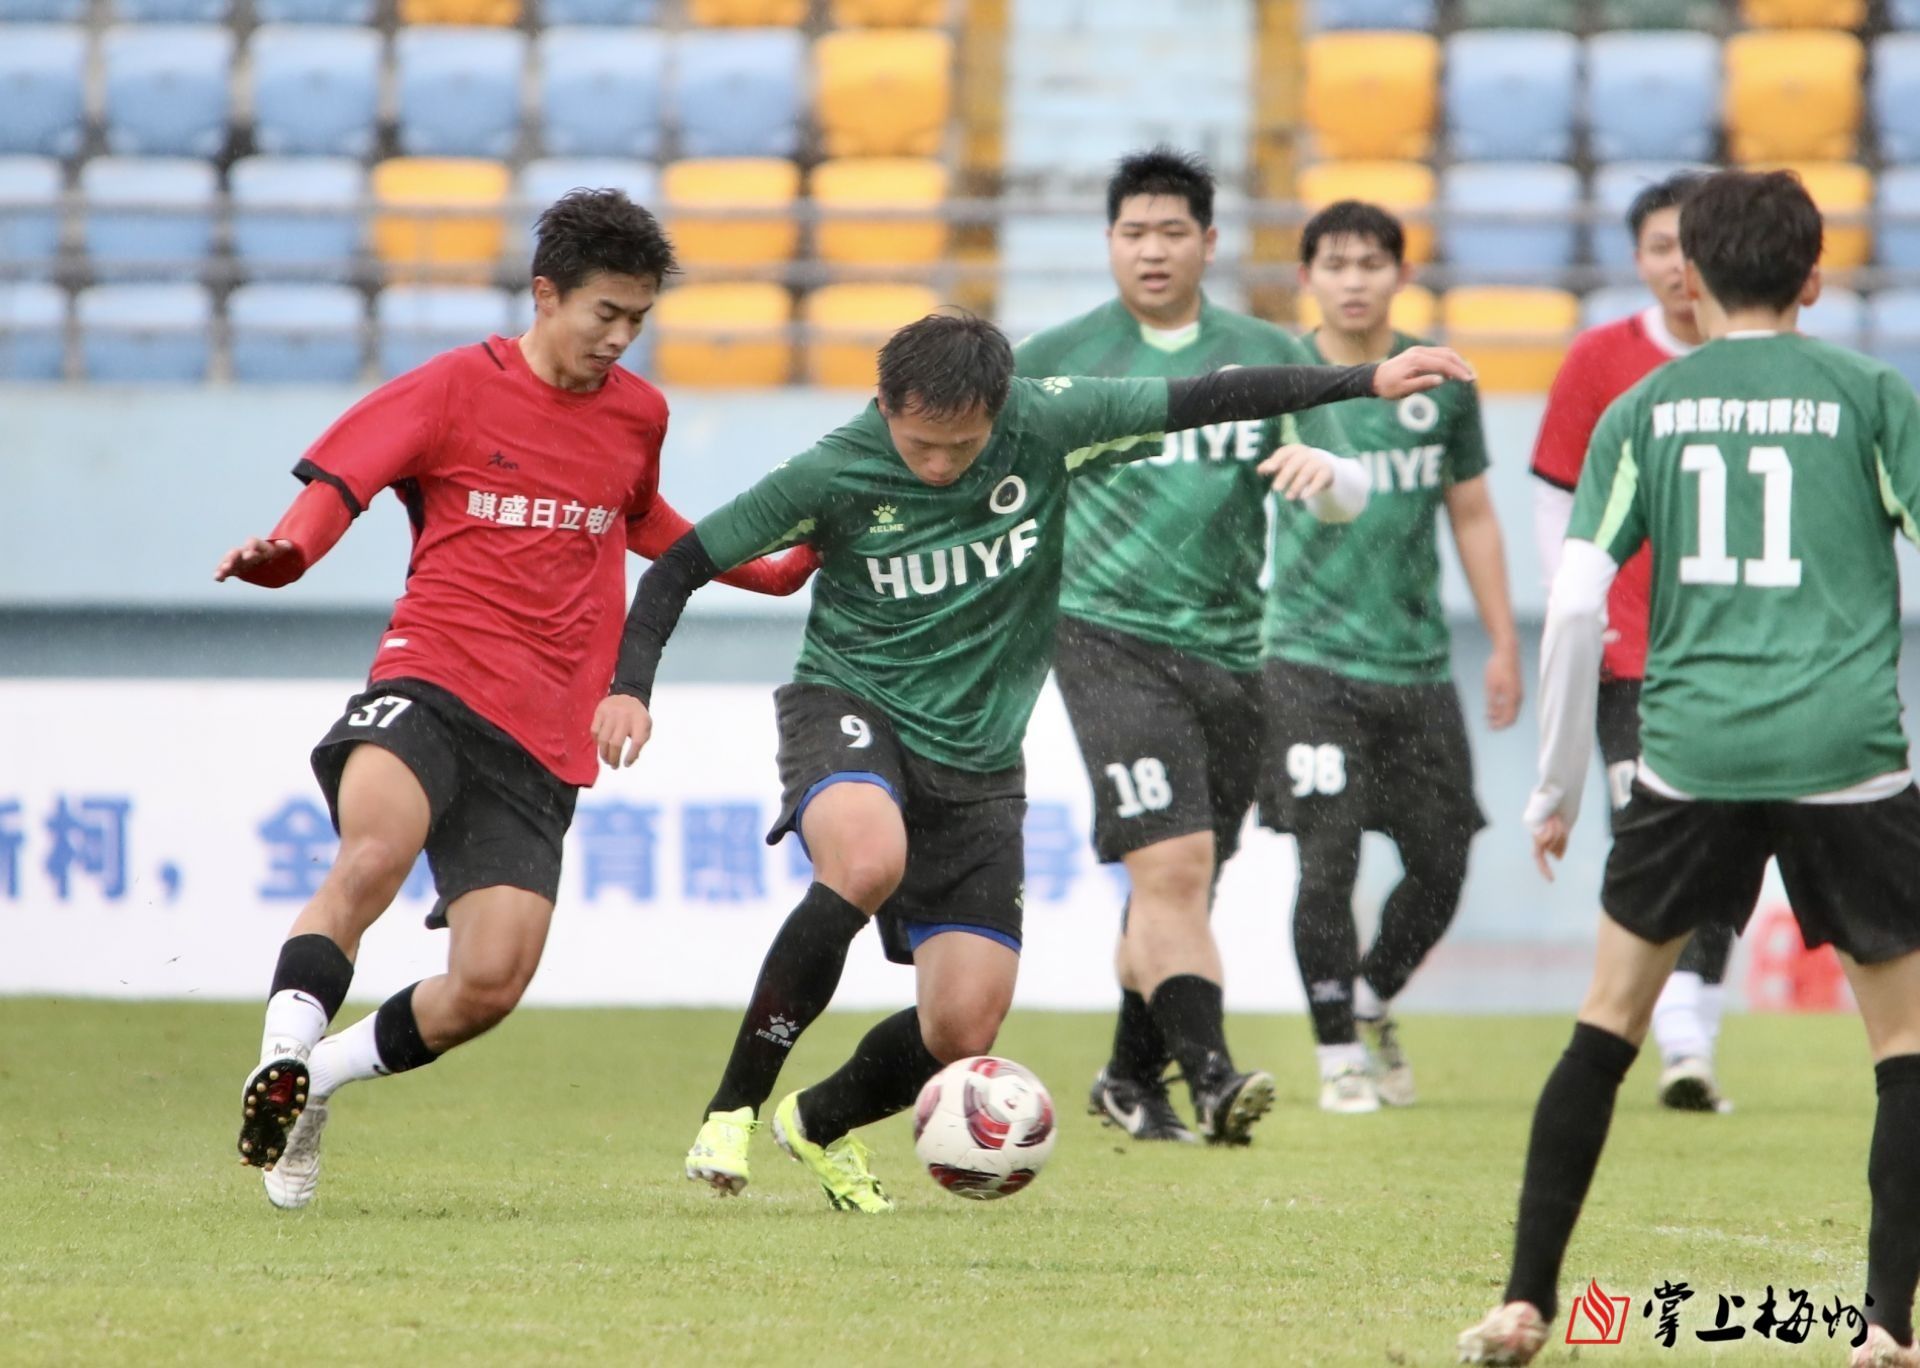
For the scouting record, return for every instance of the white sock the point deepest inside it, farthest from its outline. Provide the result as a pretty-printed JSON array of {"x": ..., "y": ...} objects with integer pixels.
[
  {"x": 1366, "y": 1003},
  {"x": 1713, "y": 1000},
  {"x": 345, "y": 1057},
  {"x": 1677, "y": 1025},
  {"x": 293, "y": 1018},
  {"x": 1337, "y": 1059}
]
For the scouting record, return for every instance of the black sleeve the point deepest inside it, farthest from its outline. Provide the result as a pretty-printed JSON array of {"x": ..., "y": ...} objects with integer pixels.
[
  {"x": 657, "y": 605},
  {"x": 1244, "y": 393}
]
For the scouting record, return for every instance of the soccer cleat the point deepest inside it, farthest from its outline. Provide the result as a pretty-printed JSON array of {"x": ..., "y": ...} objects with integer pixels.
[
  {"x": 1142, "y": 1110},
  {"x": 1351, "y": 1092},
  {"x": 1392, "y": 1075},
  {"x": 841, "y": 1166},
  {"x": 719, "y": 1154},
  {"x": 1882, "y": 1350},
  {"x": 1225, "y": 1107},
  {"x": 1510, "y": 1334},
  {"x": 292, "y": 1181},
  {"x": 1688, "y": 1085},
  {"x": 271, "y": 1100}
]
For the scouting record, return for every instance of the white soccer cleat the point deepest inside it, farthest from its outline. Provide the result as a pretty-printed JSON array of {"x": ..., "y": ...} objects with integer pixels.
[
  {"x": 1689, "y": 1085},
  {"x": 1510, "y": 1334},
  {"x": 292, "y": 1182},
  {"x": 1351, "y": 1092},
  {"x": 1392, "y": 1074},
  {"x": 1882, "y": 1350}
]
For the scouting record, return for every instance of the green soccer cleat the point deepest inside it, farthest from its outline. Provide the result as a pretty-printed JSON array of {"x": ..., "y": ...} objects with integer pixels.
[
  {"x": 840, "y": 1166},
  {"x": 719, "y": 1154}
]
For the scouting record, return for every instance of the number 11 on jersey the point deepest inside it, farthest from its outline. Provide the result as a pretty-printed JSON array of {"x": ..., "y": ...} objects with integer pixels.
[{"x": 1776, "y": 568}]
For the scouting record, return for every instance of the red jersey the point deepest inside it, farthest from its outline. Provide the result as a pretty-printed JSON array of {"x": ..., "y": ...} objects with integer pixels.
[{"x": 1602, "y": 364}]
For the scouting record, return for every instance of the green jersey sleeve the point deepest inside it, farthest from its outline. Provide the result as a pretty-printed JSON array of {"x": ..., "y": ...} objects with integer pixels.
[
  {"x": 1099, "y": 422},
  {"x": 1467, "y": 440},
  {"x": 1608, "y": 508},
  {"x": 778, "y": 511},
  {"x": 1897, "y": 453}
]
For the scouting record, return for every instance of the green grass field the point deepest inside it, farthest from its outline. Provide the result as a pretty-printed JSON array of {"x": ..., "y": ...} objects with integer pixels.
[{"x": 521, "y": 1202}]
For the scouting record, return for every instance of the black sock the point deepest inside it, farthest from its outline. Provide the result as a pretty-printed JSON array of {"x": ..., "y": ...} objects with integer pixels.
[
  {"x": 1189, "y": 1013},
  {"x": 1569, "y": 1130},
  {"x": 1417, "y": 913},
  {"x": 888, "y": 1068},
  {"x": 313, "y": 964},
  {"x": 797, "y": 981},
  {"x": 1139, "y": 1050},
  {"x": 1324, "y": 941},
  {"x": 1893, "y": 1172},
  {"x": 396, "y": 1034}
]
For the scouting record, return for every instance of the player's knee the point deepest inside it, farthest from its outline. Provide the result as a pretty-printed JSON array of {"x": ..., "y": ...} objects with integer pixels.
[
  {"x": 961, "y": 1031},
  {"x": 484, "y": 995},
  {"x": 1173, "y": 878},
  {"x": 370, "y": 869},
  {"x": 865, "y": 877}
]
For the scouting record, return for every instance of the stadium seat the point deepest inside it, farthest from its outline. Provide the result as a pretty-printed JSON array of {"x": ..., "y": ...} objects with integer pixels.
[
  {"x": 1897, "y": 226},
  {"x": 1839, "y": 14},
  {"x": 167, "y": 89},
  {"x": 1893, "y": 321},
  {"x": 1895, "y": 95},
  {"x": 33, "y": 331},
  {"x": 30, "y": 189},
  {"x": 888, "y": 13},
  {"x": 1613, "y": 304},
  {"x": 747, "y": 13},
  {"x": 1793, "y": 94},
  {"x": 737, "y": 92},
  {"x": 1404, "y": 187},
  {"x": 883, "y": 92},
  {"x": 1515, "y": 338},
  {"x": 442, "y": 246},
  {"x": 544, "y": 181},
  {"x": 1418, "y": 15},
  {"x": 725, "y": 334},
  {"x": 42, "y": 90},
  {"x": 1411, "y": 312},
  {"x": 1903, "y": 14},
  {"x": 601, "y": 12},
  {"x": 849, "y": 323},
  {"x": 148, "y": 215},
  {"x": 1839, "y": 316},
  {"x": 458, "y": 91},
  {"x": 296, "y": 216},
  {"x": 1510, "y": 95},
  {"x": 42, "y": 12},
  {"x": 738, "y": 183},
  {"x": 173, "y": 11},
  {"x": 476, "y": 13},
  {"x": 1844, "y": 193},
  {"x": 1614, "y": 188},
  {"x": 891, "y": 183},
  {"x": 601, "y": 92},
  {"x": 1704, "y": 15},
  {"x": 316, "y": 89},
  {"x": 1506, "y": 218},
  {"x": 295, "y": 334},
  {"x": 1560, "y": 15},
  {"x": 1652, "y": 96},
  {"x": 1372, "y": 94},
  {"x": 418, "y": 322},
  {"x": 313, "y": 11},
  {"x": 143, "y": 333}
]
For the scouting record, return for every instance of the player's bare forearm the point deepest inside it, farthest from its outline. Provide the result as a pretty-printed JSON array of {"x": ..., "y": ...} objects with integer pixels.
[{"x": 1476, "y": 536}]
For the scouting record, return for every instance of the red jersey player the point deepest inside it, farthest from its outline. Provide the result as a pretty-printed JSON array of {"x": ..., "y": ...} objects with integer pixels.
[
  {"x": 1602, "y": 364},
  {"x": 528, "y": 466}
]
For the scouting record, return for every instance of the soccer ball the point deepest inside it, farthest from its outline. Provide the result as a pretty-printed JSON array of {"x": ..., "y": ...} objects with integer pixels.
[{"x": 983, "y": 1127}]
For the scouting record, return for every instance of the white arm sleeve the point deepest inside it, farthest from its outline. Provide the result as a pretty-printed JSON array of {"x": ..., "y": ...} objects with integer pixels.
[
  {"x": 1570, "y": 680},
  {"x": 1552, "y": 511},
  {"x": 1346, "y": 498}
]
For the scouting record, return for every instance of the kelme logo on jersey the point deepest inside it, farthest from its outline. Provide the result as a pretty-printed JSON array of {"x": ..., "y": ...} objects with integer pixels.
[
  {"x": 1417, "y": 413},
  {"x": 886, "y": 519},
  {"x": 929, "y": 572},
  {"x": 1057, "y": 384}
]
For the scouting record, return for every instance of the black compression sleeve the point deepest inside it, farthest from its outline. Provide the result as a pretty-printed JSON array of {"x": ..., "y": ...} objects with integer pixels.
[
  {"x": 1247, "y": 392},
  {"x": 657, "y": 605}
]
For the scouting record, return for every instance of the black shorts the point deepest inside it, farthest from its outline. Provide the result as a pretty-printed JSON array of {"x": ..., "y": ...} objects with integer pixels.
[
  {"x": 966, "y": 858},
  {"x": 1171, "y": 742},
  {"x": 498, "y": 816},
  {"x": 1618, "y": 723},
  {"x": 1349, "y": 755},
  {"x": 1852, "y": 870}
]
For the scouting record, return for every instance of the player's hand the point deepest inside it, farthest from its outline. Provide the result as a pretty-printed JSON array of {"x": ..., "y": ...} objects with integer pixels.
[
  {"x": 1417, "y": 369},
  {"x": 1550, "y": 839},
  {"x": 1503, "y": 688},
  {"x": 621, "y": 726},
  {"x": 250, "y": 555},
  {"x": 1298, "y": 472}
]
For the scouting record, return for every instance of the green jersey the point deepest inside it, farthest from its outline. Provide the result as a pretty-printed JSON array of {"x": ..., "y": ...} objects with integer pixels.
[
  {"x": 1363, "y": 598},
  {"x": 937, "y": 604},
  {"x": 1165, "y": 549},
  {"x": 1769, "y": 472}
]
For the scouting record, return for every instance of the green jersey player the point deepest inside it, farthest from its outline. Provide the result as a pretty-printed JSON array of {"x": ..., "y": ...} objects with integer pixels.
[
  {"x": 1159, "y": 646},
  {"x": 939, "y": 515},
  {"x": 1769, "y": 472}
]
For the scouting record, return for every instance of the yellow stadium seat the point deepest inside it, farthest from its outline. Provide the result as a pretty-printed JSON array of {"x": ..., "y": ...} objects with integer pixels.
[
  {"x": 1412, "y": 311},
  {"x": 889, "y": 13},
  {"x": 883, "y": 92},
  {"x": 738, "y": 183},
  {"x": 486, "y": 13},
  {"x": 1515, "y": 337},
  {"x": 879, "y": 183},
  {"x": 1402, "y": 187},
  {"x": 734, "y": 13},
  {"x": 452, "y": 248},
  {"x": 1840, "y": 14},
  {"x": 1372, "y": 94},
  {"x": 724, "y": 334},
  {"x": 1842, "y": 191},
  {"x": 850, "y": 322},
  {"x": 1793, "y": 94}
]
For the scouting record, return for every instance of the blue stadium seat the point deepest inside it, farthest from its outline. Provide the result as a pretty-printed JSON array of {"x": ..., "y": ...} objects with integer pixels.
[
  {"x": 29, "y": 216},
  {"x": 601, "y": 92},
  {"x": 33, "y": 331},
  {"x": 43, "y": 89},
  {"x": 1509, "y": 220},
  {"x": 1510, "y": 94},
  {"x": 1894, "y": 324},
  {"x": 544, "y": 181},
  {"x": 173, "y": 11},
  {"x": 148, "y": 215},
  {"x": 1895, "y": 95},
  {"x": 459, "y": 90},
  {"x": 1897, "y": 230},
  {"x": 1904, "y": 14},
  {"x": 316, "y": 89},
  {"x": 739, "y": 92},
  {"x": 296, "y": 334},
  {"x": 418, "y": 322},
  {"x": 1614, "y": 187},
  {"x": 1612, "y": 304},
  {"x": 145, "y": 332},
  {"x": 297, "y": 216},
  {"x": 1838, "y": 316},
  {"x": 1652, "y": 96},
  {"x": 1372, "y": 14},
  {"x": 313, "y": 11},
  {"x": 623, "y": 12},
  {"x": 167, "y": 89},
  {"x": 42, "y": 11}
]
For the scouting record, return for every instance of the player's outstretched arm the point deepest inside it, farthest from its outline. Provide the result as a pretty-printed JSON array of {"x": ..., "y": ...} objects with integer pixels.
[
  {"x": 622, "y": 723},
  {"x": 1569, "y": 693},
  {"x": 313, "y": 523},
  {"x": 1245, "y": 393},
  {"x": 653, "y": 534},
  {"x": 1332, "y": 488}
]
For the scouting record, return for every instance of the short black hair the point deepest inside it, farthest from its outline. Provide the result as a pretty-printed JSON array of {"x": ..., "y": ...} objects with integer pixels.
[
  {"x": 1163, "y": 170},
  {"x": 946, "y": 364},
  {"x": 585, "y": 232},
  {"x": 1754, "y": 236},
  {"x": 1662, "y": 194},
  {"x": 1354, "y": 218}
]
